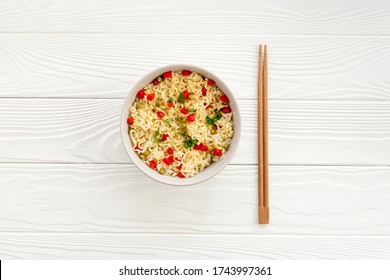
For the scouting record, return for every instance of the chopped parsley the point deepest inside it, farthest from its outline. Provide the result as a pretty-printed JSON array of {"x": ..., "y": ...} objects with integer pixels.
[
  {"x": 181, "y": 98},
  {"x": 155, "y": 136},
  {"x": 188, "y": 141},
  {"x": 168, "y": 121},
  {"x": 217, "y": 116}
]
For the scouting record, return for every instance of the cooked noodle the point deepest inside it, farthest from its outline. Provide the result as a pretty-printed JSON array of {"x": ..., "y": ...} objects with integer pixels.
[{"x": 186, "y": 126}]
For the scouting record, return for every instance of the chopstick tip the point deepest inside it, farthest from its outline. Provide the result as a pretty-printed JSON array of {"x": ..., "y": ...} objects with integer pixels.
[{"x": 263, "y": 215}]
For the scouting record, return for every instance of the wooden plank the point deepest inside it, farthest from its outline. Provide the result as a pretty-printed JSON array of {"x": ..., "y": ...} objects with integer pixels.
[
  {"x": 112, "y": 198},
  {"x": 190, "y": 247},
  {"x": 95, "y": 66},
  {"x": 231, "y": 17},
  {"x": 300, "y": 132}
]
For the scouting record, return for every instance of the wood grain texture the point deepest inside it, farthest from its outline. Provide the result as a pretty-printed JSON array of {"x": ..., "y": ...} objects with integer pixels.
[
  {"x": 101, "y": 198},
  {"x": 300, "y": 132},
  {"x": 190, "y": 247},
  {"x": 106, "y": 66},
  {"x": 181, "y": 17}
]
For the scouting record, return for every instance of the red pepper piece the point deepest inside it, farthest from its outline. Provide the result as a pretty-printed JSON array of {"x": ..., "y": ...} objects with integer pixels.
[
  {"x": 204, "y": 91},
  {"x": 204, "y": 148},
  {"x": 186, "y": 72},
  {"x": 153, "y": 164},
  {"x": 170, "y": 104},
  {"x": 130, "y": 120},
  {"x": 164, "y": 137},
  {"x": 170, "y": 151},
  {"x": 209, "y": 106},
  {"x": 224, "y": 98},
  {"x": 191, "y": 118},
  {"x": 180, "y": 175},
  {"x": 197, "y": 147},
  {"x": 166, "y": 161},
  {"x": 171, "y": 159},
  {"x": 210, "y": 82},
  {"x": 180, "y": 166},
  {"x": 226, "y": 110},
  {"x": 167, "y": 75},
  {"x": 136, "y": 147},
  {"x": 150, "y": 96},
  {"x": 141, "y": 94},
  {"x": 186, "y": 94},
  {"x": 184, "y": 111},
  {"x": 217, "y": 152},
  {"x": 155, "y": 82},
  {"x": 160, "y": 114}
]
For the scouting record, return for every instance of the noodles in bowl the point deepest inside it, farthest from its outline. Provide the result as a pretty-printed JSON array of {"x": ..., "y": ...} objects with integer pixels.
[{"x": 181, "y": 128}]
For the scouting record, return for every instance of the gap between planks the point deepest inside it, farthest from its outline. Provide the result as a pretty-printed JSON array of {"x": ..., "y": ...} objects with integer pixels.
[
  {"x": 32, "y": 233},
  {"x": 195, "y": 35}
]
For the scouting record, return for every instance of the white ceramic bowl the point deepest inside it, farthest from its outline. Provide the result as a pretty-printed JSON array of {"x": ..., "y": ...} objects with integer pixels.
[{"x": 215, "y": 167}]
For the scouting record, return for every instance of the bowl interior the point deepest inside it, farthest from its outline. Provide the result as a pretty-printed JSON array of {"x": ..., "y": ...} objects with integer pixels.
[{"x": 213, "y": 168}]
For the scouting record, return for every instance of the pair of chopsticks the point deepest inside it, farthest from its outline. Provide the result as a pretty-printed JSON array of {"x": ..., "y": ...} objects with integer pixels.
[{"x": 262, "y": 118}]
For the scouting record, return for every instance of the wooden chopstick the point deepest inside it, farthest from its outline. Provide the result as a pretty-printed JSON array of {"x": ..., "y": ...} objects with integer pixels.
[{"x": 262, "y": 90}]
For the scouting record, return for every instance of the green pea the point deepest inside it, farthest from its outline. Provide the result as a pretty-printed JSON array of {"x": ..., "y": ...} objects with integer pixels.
[
  {"x": 213, "y": 131},
  {"x": 159, "y": 79},
  {"x": 142, "y": 156},
  {"x": 162, "y": 171},
  {"x": 146, "y": 153}
]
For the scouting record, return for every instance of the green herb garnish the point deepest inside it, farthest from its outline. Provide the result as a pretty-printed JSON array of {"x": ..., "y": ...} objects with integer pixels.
[
  {"x": 209, "y": 120},
  {"x": 155, "y": 136},
  {"x": 168, "y": 121},
  {"x": 181, "y": 98},
  {"x": 188, "y": 141},
  {"x": 217, "y": 116},
  {"x": 170, "y": 99}
]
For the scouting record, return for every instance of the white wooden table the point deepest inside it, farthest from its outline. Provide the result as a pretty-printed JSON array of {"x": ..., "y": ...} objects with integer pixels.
[{"x": 68, "y": 190}]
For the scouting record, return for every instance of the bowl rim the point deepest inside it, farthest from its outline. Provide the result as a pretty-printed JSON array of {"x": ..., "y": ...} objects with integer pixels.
[{"x": 206, "y": 173}]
